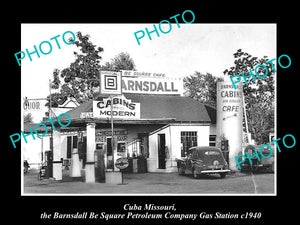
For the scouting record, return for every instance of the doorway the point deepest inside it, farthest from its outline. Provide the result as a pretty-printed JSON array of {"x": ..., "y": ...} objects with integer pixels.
[
  {"x": 82, "y": 145},
  {"x": 161, "y": 151}
]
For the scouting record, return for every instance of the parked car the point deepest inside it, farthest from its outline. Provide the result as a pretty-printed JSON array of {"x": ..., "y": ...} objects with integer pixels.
[
  {"x": 258, "y": 165},
  {"x": 203, "y": 160}
]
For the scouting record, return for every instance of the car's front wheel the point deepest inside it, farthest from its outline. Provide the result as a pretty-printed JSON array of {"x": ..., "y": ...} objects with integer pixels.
[
  {"x": 222, "y": 175},
  {"x": 181, "y": 171}
]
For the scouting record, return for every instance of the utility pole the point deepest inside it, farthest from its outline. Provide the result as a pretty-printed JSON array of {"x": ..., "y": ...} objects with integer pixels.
[
  {"x": 49, "y": 97},
  {"x": 49, "y": 111},
  {"x": 112, "y": 131},
  {"x": 246, "y": 121}
]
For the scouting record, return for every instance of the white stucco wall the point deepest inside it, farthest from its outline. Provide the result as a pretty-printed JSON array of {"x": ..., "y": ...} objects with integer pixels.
[
  {"x": 32, "y": 151},
  {"x": 173, "y": 143}
]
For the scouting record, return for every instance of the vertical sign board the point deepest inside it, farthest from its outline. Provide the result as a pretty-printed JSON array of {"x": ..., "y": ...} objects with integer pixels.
[
  {"x": 110, "y": 83},
  {"x": 230, "y": 118}
]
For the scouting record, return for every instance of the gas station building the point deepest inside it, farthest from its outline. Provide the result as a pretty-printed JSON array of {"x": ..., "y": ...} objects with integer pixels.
[{"x": 151, "y": 120}]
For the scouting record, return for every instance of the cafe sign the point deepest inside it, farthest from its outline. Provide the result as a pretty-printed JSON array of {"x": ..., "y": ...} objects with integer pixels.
[{"x": 122, "y": 108}]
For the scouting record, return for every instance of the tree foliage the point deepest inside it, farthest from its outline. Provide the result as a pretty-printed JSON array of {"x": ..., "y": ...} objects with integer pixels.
[
  {"x": 122, "y": 61},
  {"x": 81, "y": 78},
  {"x": 28, "y": 118},
  {"x": 259, "y": 94},
  {"x": 202, "y": 87}
]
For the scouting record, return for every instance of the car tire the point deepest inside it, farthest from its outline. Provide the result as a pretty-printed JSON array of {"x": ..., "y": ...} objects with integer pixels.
[
  {"x": 181, "y": 171},
  {"x": 222, "y": 175},
  {"x": 195, "y": 175}
]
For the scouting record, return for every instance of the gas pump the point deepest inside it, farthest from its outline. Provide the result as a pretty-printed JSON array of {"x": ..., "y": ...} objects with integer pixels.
[
  {"x": 48, "y": 164},
  {"x": 225, "y": 149},
  {"x": 99, "y": 163}
]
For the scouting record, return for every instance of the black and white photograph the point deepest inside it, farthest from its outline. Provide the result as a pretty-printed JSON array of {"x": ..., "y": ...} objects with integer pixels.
[
  {"x": 145, "y": 116},
  {"x": 108, "y": 115}
]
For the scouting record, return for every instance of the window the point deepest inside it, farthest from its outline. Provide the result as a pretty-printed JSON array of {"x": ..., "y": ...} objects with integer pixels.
[
  {"x": 75, "y": 140},
  {"x": 195, "y": 154},
  {"x": 212, "y": 153},
  {"x": 135, "y": 146},
  {"x": 212, "y": 140},
  {"x": 188, "y": 140}
]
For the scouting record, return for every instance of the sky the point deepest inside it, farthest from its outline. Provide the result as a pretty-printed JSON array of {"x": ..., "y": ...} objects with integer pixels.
[{"x": 179, "y": 53}]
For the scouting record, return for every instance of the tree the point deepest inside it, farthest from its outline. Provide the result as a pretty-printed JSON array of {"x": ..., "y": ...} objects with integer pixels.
[
  {"x": 122, "y": 61},
  {"x": 202, "y": 87},
  {"x": 81, "y": 79},
  {"x": 82, "y": 76},
  {"x": 28, "y": 118},
  {"x": 259, "y": 94}
]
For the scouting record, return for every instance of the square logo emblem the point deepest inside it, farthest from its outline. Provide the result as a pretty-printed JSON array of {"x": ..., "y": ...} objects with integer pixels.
[{"x": 110, "y": 82}]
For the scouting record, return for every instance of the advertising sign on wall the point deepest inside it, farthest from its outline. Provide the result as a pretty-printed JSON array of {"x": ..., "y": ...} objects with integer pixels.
[
  {"x": 86, "y": 115},
  {"x": 123, "y": 108},
  {"x": 122, "y": 135},
  {"x": 150, "y": 83}
]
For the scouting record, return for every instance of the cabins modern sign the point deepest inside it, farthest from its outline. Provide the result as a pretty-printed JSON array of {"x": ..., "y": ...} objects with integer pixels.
[{"x": 122, "y": 108}]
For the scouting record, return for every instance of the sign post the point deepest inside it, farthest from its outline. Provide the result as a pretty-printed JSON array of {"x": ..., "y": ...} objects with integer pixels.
[
  {"x": 110, "y": 83},
  {"x": 112, "y": 131},
  {"x": 122, "y": 163}
]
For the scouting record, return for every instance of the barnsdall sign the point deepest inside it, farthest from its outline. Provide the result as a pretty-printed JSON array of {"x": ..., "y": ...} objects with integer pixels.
[{"x": 150, "y": 83}]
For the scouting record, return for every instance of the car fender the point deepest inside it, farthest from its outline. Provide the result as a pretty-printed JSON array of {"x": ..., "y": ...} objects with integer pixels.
[
  {"x": 180, "y": 163},
  {"x": 197, "y": 168}
]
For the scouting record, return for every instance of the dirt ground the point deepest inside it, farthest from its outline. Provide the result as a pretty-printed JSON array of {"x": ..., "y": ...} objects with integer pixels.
[{"x": 155, "y": 183}]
